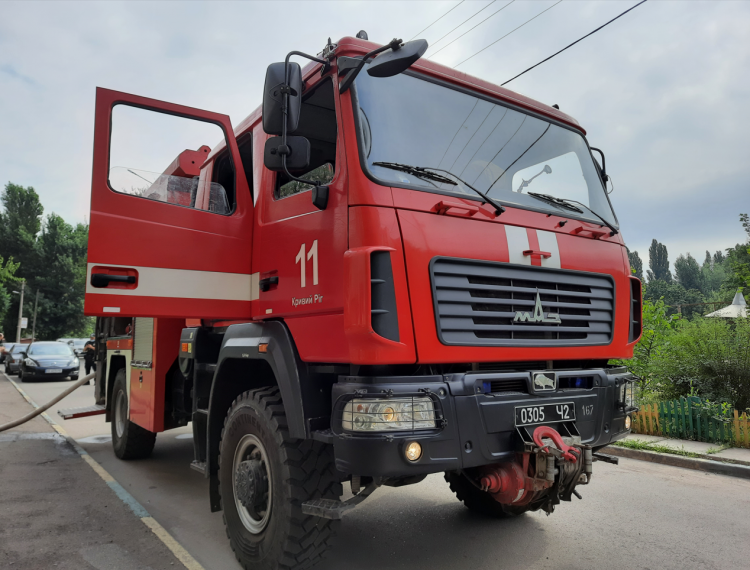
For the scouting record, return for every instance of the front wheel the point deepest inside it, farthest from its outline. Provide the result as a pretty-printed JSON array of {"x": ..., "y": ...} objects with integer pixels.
[
  {"x": 264, "y": 477},
  {"x": 129, "y": 440},
  {"x": 480, "y": 501}
]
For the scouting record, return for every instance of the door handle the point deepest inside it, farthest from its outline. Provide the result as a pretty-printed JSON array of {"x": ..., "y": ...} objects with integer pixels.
[
  {"x": 265, "y": 284},
  {"x": 102, "y": 280}
]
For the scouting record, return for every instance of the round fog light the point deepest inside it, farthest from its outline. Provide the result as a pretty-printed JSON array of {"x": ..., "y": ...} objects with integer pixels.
[
  {"x": 413, "y": 451},
  {"x": 627, "y": 422}
]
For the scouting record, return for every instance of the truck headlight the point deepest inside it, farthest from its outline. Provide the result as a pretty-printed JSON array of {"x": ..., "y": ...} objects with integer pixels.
[
  {"x": 393, "y": 414},
  {"x": 626, "y": 397}
]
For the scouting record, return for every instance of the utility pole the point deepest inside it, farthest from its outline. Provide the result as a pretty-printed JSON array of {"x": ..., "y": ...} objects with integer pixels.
[
  {"x": 20, "y": 312},
  {"x": 33, "y": 326}
]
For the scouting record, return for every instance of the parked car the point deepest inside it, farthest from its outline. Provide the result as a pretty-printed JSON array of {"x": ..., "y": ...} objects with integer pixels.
[
  {"x": 49, "y": 360},
  {"x": 14, "y": 358},
  {"x": 5, "y": 350},
  {"x": 78, "y": 344}
]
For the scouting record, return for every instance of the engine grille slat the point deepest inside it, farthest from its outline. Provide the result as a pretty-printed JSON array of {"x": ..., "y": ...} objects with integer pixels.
[{"x": 476, "y": 303}]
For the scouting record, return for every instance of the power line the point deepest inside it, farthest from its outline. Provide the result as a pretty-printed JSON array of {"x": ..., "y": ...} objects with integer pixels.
[
  {"x": 509, "y": 33},
  {"x": 440, "y": 18},
  {"x": 575, "y": 42},
  {"x": 462, "y": 23},
  {"x": 467, "y": 31}
]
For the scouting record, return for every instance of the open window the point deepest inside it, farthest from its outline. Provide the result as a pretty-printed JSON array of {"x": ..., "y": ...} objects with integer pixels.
[
  {"x": 317, "y": 124},
  {"x": 171, "y": 213}
]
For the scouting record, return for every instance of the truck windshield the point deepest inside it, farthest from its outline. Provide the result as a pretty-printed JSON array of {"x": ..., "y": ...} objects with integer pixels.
[{"x": 500, "y": 151}]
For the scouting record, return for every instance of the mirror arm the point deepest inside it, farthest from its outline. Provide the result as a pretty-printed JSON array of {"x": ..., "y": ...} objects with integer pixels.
[
  {"x": 394, "y": 44},
  {"x": 603, "y": 169}
]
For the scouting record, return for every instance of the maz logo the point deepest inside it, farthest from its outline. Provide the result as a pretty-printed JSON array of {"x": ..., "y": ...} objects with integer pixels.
[{"x": 538, "y": 315}]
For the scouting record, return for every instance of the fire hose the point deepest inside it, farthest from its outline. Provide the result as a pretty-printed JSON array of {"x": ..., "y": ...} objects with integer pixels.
[{"x": 47, "y": 406}]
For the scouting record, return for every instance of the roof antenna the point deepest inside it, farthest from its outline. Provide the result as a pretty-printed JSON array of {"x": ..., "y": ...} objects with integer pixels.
[{"x": 362, "y": 35}]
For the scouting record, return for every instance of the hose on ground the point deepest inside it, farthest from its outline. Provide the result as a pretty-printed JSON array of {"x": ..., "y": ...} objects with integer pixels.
[{"x": 47, "y": 406}]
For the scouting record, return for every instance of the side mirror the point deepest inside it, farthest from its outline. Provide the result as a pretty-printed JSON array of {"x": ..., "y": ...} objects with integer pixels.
[
  {"x": 297, "y": 157},
  {"x": 273, "y": 98},
  {"x": 395, "y": 61}
]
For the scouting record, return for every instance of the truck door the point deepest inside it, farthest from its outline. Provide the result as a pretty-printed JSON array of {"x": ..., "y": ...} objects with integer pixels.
[
  {"x": 171, "y": 226},
  {"x": 299, "y": 249}
]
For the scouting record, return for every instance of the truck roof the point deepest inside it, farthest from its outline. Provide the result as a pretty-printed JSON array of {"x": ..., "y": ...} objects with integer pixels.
[{"x": 353, "y": 47}]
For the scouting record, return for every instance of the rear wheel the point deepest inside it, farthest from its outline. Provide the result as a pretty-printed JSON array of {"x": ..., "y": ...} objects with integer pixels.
[
  {"x": 480, "y": 501},
  {"x": 130, "y": 441},
  {"x": 264, "y": 477}
]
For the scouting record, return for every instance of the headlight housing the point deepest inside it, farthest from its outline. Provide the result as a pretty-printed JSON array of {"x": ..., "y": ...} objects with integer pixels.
[
  {"x": 30, "y": 362},
  {"x": 75, "y": 362},
  {"x": 389, "y": 414},
  {"x": 626, "y": 395}
]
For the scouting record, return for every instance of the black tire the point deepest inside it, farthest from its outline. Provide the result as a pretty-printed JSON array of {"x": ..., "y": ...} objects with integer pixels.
[
  {"x": 21, "y": 376},
  {"x": 129, "y": 440},
  {"x": 298, "y": 470},
  {"x": 480, "y": 501}
]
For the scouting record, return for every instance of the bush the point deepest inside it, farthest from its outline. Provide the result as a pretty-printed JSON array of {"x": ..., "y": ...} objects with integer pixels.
[{"x": 709, "y": 357}]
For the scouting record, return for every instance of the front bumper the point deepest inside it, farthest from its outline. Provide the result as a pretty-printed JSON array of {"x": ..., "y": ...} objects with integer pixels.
[
  {"x": 478, "y": 428},
  {"x": 41, "y": 372}
]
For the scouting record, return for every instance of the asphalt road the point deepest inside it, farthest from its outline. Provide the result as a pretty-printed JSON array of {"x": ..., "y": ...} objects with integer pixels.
[{"x": 635, "y": 515}]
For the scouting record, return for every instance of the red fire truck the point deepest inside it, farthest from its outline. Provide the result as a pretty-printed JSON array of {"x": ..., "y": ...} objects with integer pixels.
[{"x": 388, "y": 270}]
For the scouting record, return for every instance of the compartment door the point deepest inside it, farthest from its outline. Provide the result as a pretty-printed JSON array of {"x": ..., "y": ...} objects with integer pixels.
[{"x": 171, "y": 222}]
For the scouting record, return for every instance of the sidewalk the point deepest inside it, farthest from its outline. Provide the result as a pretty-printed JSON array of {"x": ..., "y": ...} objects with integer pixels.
[
  {"x": 705, "y": 450},
  {"x": 734, "y": 461},
  {"x": 56, "y": 512}
]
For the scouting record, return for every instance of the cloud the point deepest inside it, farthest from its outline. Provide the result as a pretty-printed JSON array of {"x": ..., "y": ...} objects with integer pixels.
[{"x": 9, "y": 70}]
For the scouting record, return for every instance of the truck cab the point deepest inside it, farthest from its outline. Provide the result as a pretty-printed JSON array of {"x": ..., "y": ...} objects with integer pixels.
[{"x": 375, "y": 276}]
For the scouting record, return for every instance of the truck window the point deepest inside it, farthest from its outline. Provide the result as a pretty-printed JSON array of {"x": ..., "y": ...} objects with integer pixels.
[
  {"x": 318, "y": 124},
  {"x": 163, "y": 157}
]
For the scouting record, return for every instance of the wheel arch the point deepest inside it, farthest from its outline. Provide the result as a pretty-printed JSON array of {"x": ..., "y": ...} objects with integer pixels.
[
  {"x": 115, "y": 363},
  {"x": 243, "y": 367}
]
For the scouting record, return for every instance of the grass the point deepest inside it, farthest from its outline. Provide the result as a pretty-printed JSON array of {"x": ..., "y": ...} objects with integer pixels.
[
  {"x": 722, "y": 447},
  {"x": 646, "y": 446}
]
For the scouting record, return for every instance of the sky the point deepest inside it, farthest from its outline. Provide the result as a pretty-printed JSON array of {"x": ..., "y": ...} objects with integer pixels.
[{"x": 664, "y": 91}]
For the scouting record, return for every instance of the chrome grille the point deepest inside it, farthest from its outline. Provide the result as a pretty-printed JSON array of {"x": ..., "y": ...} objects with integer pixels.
[{"x": 476, "y": 303}]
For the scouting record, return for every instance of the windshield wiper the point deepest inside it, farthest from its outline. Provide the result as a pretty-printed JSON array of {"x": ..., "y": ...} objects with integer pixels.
[
  {"x": 423, "y": 172},
  {"x": 568, "y": 203},
  {"x": 416, "y": 171}
]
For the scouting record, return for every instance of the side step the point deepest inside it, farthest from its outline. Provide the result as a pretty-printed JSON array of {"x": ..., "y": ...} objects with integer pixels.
[
  {"x": 72, "y": 413},
  {"x": 331, "y": 509}
]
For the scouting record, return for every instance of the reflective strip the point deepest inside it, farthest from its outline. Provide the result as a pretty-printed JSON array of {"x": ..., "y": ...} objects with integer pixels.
[
  {"x": 518, "y": 242},
  {"x": 182, "y": 284},
  {"x": 548, "y": 242}
]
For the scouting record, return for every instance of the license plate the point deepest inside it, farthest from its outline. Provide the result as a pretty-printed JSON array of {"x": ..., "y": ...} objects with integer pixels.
[
  {"x": 54, "y": 371},
  {"x": 545, "y": 414}
]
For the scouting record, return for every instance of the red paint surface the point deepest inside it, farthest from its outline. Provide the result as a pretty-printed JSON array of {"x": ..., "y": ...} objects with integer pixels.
[{"x": 147, "y": 387}]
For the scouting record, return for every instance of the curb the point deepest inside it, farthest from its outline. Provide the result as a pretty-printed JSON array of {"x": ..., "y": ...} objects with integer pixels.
[
  {"x": 161, "y": 533},
  {"x": 708, "y": 465}
]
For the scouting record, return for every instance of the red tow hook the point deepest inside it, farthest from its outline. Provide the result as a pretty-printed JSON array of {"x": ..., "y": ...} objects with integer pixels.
[{"x": 569, "y": 453}]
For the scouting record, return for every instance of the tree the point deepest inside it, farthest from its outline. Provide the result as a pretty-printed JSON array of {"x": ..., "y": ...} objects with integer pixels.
[
  {"x": 6, "y": 275},
  {"x": 719, "y": 258},
  {"x": 658, "y": 262},
  {"x": 688, "y": 273},
  {"x": 20, "y": 221},
  {"x": 674, "y": 295},
  {"x": 52, "y": 260},
  {"x": 636, "y": 264},
  {"x": 738, "y": 260},
  {"x": 713, "y": 273}
]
